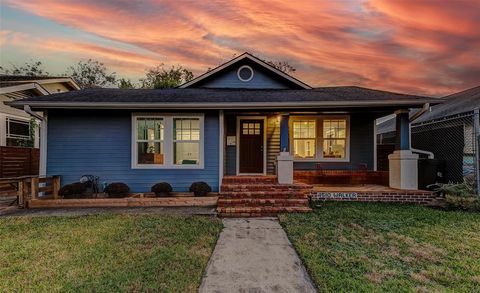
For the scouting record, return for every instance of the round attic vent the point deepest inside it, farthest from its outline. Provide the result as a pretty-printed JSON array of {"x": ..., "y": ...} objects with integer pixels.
[{"x": 245, "y": 73}]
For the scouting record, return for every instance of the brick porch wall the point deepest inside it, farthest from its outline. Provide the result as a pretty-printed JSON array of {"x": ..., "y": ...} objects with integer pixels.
[{"x": 400, "y": 196}]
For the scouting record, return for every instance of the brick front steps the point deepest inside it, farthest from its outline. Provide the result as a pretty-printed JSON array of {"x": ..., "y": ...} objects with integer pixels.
[{"x": 259, "y": 196}]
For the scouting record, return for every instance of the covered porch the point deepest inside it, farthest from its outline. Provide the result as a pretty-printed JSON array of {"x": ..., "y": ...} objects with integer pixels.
[{"x": 316, "y": 146}]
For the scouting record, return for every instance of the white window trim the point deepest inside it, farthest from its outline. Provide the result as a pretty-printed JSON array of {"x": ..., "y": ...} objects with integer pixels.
[
  {"x": 17, "y": 120},
  {"x": 167, "y": 141},
  {"x": 319, "y": 139}
]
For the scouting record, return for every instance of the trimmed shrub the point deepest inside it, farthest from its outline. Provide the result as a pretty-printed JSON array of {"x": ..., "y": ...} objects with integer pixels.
[
  {"x": 73, "y": 190},
  {"x": 117, "y": 189},
  {"x": 200, "y": 188},
  {"x": 464, "y": 203},
  {"x": 162, "y": 189},
  {"x": 463, "y": 189}
]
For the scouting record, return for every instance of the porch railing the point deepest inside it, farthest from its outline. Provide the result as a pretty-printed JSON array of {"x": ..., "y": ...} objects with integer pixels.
[{"x": 19, "y": 190}]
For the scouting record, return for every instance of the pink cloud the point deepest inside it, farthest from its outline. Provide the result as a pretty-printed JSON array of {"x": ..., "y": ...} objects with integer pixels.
[{"x": 417, "y": 46}]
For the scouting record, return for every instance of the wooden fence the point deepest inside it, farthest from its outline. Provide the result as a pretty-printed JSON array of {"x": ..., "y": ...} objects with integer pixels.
[
  {"x": 20, "y": 190},
  {"x": 18, "y": 161}
]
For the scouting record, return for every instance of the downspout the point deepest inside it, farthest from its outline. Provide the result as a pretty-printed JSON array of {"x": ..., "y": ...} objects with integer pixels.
[
  {"x": 27, "y": 109},
  {"x": 425, "y": 108}
]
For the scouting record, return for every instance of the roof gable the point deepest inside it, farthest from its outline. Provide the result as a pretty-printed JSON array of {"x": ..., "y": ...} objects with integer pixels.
[{"x": 264, "y": 76}]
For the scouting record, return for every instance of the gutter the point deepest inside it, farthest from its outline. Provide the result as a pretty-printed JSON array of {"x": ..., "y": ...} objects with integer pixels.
[{"x": 212, "y": 105}]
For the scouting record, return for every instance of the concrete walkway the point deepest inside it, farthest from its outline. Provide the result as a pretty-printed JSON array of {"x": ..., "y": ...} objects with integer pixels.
[{"x": 255, "y": 255}]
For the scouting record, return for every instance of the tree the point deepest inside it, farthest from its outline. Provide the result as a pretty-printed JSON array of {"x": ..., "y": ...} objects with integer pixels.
[
  {"x": 91, "y": 74},
  {"x": 30, "y": 68},
  {"x": 125, "y": 83},
  {"x": 159, "y": 78},
  {"x": 282, "y": 66}
]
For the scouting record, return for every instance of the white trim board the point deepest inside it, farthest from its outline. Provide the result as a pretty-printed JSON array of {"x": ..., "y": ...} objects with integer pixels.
[
  {"x": 239, "y": 118},
  {"x": 221, "y": 146}
]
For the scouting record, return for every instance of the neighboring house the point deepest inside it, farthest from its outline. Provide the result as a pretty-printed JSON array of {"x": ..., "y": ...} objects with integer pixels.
[
  {"x": 15, "y": 123},
  {"x": 233, "y": 120},
  {"x": 446, "y": 130}
]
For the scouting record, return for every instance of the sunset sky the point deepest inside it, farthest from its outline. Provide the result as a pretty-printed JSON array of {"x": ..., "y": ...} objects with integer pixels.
[{"x": 413, "y": 46}]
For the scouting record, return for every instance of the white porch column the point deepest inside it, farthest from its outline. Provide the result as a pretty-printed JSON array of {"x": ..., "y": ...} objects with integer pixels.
[
  {"x": 43, "y": 145},
  {"x": 403, "y": 163},
  {"x": 284, "y": 159},
  {"x": 285, "y": 168}
]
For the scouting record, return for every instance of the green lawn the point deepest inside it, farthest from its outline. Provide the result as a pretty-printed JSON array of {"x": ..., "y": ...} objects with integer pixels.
[
  {"x": 369, "y": 247},
  {"x": 105, "y": 253}
]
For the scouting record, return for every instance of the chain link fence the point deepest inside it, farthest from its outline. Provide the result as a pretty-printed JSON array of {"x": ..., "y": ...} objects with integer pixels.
[{"x": 453, "y": 140}]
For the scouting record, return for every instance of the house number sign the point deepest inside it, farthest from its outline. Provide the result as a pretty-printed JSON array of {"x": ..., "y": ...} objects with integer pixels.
[
  {"x": 231, "y": 140},
  {"x": 324, "y": 195}
]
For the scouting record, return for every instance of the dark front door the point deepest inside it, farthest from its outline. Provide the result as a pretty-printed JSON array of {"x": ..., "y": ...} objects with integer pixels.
[{"x": 251, "y": 146}]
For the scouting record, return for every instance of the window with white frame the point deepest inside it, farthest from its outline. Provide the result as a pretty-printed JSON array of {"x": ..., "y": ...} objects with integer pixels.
[
  {"x": 18, "y": 133},
  {"x": 320, "y": 138},
  {"x": 150, "y": 140},
  {"x": 304, "y": 136},
  {"x": 167, "y": 141},
  {"x": 334, "y": 138},
  {"x": 186, "y": 141},
  {"x": 18, "y": 129}
]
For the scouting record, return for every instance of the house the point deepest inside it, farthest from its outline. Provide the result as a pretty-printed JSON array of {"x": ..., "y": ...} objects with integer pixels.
[
  {"x": 448, "y": 132},
  {"x": 15, "y": 123},
  {"x": 244, "y": 117},
  {"x": 19, "y": 142}
]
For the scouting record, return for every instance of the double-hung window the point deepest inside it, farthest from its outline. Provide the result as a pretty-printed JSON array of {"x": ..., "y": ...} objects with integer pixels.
[
  {"x": 334, "y": 138},
  {"x": 186, "y": 141},
  {"x": 150, "y": 140},
  {"x": 167, "y": 141},
  {"x": 17, "y": 132},
  {"x": 304, "y": 138},
  {"x": 320, "y": 138}
]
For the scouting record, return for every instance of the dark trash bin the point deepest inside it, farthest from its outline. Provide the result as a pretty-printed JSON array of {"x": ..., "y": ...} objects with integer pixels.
[{"x": 430, "y": 171}]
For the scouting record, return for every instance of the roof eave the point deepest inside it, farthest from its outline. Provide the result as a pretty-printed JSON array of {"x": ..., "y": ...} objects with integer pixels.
[{"x": 208, "y": 106}]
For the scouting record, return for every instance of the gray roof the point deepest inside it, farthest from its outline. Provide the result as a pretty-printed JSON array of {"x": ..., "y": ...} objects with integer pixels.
[
  {"x": 224, "y": 98},
  {"x": 458, "y": 103}
]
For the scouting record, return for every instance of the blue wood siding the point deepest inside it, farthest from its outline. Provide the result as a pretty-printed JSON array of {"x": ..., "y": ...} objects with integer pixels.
[
  {"x": 261, "y": 79},
  {"x": 99, "y": 143}
]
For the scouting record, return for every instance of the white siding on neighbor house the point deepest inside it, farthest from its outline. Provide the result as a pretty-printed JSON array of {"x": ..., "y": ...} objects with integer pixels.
[
  {"x": 7, "y": 111},
  {"x": 55, "y": 87}
]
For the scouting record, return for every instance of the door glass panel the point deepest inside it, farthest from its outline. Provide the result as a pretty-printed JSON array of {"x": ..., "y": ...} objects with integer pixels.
[{"x": 251, "y": 128}]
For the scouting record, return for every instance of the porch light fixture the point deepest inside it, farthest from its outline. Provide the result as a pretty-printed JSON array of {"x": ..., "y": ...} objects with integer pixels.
[{"x": 245, "y": 73}]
